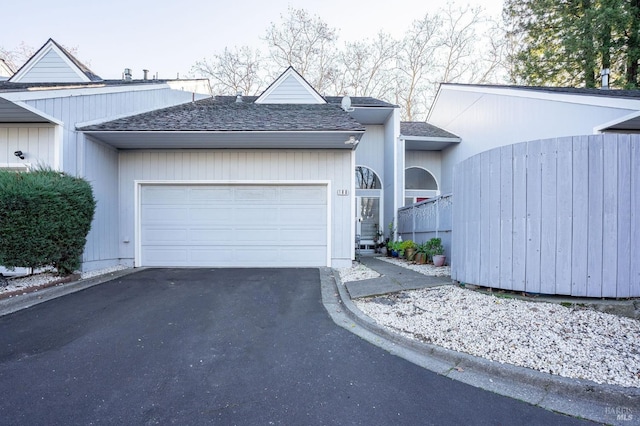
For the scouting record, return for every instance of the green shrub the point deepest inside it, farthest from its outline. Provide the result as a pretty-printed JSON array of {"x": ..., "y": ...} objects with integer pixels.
[{"x": 45, "y": 217}]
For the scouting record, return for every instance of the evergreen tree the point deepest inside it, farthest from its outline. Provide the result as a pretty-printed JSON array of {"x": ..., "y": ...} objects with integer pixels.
[{"x": 568, "y": 42}]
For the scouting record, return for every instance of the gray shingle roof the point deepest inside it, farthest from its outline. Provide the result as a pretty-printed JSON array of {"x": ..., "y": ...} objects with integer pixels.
[
  {"x": 224, "y": 114},
  {"x": 423, "y": 129}
]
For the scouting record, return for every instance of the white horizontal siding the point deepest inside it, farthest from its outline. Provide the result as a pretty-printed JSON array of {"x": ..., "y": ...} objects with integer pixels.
[
  {"x": 51, "y": 68},
  {"x": 290, "y": 91},
  {"x": 254, "y": 166}
]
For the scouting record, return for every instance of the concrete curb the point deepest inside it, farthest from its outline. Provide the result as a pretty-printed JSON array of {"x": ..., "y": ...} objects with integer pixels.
[
  {"x": 579, "y": 398},
  {"x": 24, "y": 301}
]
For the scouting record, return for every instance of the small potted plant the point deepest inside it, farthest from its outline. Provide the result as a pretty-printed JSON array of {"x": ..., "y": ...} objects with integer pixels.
[
  {"x": 396, "y": 248},
  {"x": 408, "y": 249},
  {"x": 422, "y": 253},
  {"x": 436, "y": 250}
]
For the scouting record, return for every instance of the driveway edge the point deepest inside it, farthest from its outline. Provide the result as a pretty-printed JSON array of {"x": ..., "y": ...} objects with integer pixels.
[
  {"x": 578, "y": 398},
  {"x": 27, "y": 300}
]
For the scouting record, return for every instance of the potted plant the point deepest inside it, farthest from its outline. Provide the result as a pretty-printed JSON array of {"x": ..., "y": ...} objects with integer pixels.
[
  {"x": 395, "y": 248},
  {"x": 422, "y": 253},
  {"x": 408, "y": 249},
  {"x": 436, "y": 250}
]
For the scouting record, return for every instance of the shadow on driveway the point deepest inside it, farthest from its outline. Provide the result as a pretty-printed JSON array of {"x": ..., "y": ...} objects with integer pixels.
[{"x": 219, "y": 346}]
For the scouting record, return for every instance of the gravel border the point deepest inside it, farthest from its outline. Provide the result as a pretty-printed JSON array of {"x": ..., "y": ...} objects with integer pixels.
[{"x": 570, "y": 342}]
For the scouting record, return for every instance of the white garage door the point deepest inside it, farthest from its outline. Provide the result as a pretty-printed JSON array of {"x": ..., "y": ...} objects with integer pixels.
[{"x": 233, "y": 225}]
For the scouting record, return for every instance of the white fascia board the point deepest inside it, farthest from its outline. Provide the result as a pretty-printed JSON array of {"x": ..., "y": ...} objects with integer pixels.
[
  {"x": 574, "y": 98},
  {"x": 46, "y": 49},
  {"x": 70, "y": 91},
  {"x": 433, "y": 104},
  {"x": 223, "y": 132},
  {"x": 429, "y": 139},
  {"x": 600, "y": 128}
]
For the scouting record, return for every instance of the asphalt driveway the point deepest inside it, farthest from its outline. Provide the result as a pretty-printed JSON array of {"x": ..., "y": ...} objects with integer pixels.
[{"x": 219, "y": 346}]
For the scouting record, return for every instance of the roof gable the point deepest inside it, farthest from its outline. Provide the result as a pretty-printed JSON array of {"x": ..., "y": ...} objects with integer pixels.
[
  {"x": 290, "y": 88},
  {"x": 5, "y": 70},
  {"x": 53, "y": 64}
]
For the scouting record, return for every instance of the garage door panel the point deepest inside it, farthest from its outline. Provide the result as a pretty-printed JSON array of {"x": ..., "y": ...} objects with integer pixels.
[
  {"x": 308, "y": 236},
  {"x": 256, "y": 194},
  {"x": 254, "y": 235},
  {"x": 163, "y": 213},
  {"x": 166, "y": 195},
  {"x": 258, "y": 214},
  {"x": 165, "y": 236},
  {"x": 210, "y": 235},
  {"x": 217, "y": 214},
  {"x": 303, "y": 195},
  {"x": 204, "y": 195},
  {"x": 165, "y": 256},
  {"x": 304, "y": 215},
  {"x": 233, "y": 225}
]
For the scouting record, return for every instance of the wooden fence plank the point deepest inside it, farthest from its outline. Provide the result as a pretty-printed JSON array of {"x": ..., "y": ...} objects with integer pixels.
[
  {"x": 564, "y": 239},
  {"x": 595, "y": 214},
  {"x": 610, "y": 216},
  {"x": 533, "y": 216},
  {"x": 519, "y": 216},
  {"x": 494, "y": 218},
  {"x": 623, "y": 273},
  {"x": 506, "y": 217},
  {"x": 580, "y": 237},
  {"x": 634, "y": 282},
  {"x": 473, "y": 254},
  {"x": 548, "y": 216},
  {"x": 485, "y": 218}
]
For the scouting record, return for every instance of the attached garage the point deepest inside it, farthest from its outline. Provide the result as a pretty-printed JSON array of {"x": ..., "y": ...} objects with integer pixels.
[{"x": 233, "y": 224}]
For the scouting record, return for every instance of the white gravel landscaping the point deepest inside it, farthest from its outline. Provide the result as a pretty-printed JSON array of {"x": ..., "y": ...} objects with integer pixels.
[
  {"x": 570, "y": 342},
  {"x": 27, "y": 283}
]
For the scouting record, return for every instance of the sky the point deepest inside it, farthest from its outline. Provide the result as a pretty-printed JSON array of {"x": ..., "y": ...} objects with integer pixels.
[{"x": 168, "y": 37}]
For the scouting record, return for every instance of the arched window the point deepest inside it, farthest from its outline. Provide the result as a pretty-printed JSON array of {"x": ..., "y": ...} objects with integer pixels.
[
  {"x": 417, "y": 178},
  {"x": 367, "y": 178}
]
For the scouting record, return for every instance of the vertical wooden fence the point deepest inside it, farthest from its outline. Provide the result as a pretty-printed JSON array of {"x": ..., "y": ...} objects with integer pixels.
[
  {"x": 555, "y": 216},
  {"x": 427, "y": 219}
]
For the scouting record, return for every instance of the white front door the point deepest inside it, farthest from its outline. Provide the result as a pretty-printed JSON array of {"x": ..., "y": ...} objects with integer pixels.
[{"x": 368, "y": 221}]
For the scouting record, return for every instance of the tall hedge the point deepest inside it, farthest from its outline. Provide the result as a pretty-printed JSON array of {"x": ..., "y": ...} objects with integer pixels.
[{"x": 45, "y": 217}]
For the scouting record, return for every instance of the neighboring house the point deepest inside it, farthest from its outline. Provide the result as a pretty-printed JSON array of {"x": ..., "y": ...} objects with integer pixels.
[{"x": 185, "y": 179}]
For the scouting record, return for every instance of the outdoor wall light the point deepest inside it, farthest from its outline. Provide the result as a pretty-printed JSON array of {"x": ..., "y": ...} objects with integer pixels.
[{"x": 19, "y": 154}]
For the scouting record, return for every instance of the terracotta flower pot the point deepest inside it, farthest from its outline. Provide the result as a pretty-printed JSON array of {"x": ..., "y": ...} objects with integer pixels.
[{"x": 439, "y": 259}]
